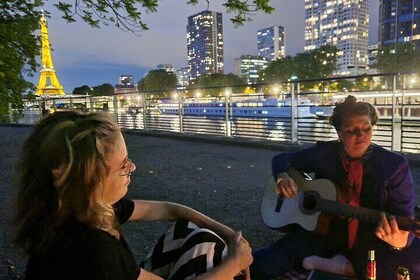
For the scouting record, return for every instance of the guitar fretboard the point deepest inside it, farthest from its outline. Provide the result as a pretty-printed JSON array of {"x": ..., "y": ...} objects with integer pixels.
[{"x": 362, "y": 214}]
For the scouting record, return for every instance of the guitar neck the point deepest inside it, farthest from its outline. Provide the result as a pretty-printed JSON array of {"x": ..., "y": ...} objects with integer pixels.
[{"x": 364, "y": 215}]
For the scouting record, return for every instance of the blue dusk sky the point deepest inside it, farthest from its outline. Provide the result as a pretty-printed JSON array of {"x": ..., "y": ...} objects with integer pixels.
[{"x": 84, "y": 55}]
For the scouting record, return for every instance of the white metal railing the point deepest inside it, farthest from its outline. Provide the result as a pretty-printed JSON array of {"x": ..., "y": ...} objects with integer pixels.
[{"x": 241, "y": 115}]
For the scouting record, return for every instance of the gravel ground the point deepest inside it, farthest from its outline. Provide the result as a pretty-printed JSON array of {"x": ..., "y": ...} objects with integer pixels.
[{"x": 225, "y": 182}]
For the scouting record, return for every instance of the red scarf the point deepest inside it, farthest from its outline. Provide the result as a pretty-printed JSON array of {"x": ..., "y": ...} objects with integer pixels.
[{"x": 353, "y": 183}]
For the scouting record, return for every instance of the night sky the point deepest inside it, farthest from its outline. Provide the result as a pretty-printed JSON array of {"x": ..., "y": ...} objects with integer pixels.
[{"x": 83, "y": 55}]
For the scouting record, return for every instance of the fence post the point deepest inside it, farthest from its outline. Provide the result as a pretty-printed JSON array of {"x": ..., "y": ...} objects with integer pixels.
[
  {"x": 71, "y": 102},
  {"x": 293, "y": 124},
  {"x": 91, "y": 103},
  {"x": 115, "y": 105},
  {"x": 10, "y": 113},
  {"x": 180, "y": 113},
  {"x": 227, "y": 114},
  {"x": 396, "y": 119},
  {"x": 144, "y": 111}
]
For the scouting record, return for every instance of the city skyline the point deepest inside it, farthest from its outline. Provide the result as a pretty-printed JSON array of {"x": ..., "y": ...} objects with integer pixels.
[{"x": 82, "y": 55}]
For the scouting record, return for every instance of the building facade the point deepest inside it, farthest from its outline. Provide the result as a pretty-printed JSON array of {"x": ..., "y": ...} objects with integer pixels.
[
  {"x": 166, "y": 67},
  {"x": 248, "y": 66},
  {"x": 341, "y": 23},
  {"x": 126, "y": 81},
  {"x": 372, "y": 54},
  {"x": 205, "y": 44},
  {"x": 183, "y": 79},
  {"x": 125, "y": 84},
  {"x": 271, "y": 42},
  {"x": 399, "y": 21}
]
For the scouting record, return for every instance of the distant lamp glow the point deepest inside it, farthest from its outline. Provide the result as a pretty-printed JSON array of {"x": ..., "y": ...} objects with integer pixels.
[
  {"x": 175, "y": 95},
  {"x": 412, "y": 81},
  {"x": 293, "y": 78},
  {"x": 198, "y": 94}
]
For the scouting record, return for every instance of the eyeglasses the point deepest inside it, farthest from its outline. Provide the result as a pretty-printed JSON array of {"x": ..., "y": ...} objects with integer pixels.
[{"x": 128, "y": 164}]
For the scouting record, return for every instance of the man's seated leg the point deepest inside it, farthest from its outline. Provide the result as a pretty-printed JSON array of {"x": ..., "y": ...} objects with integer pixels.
[
  {"x": 285, "y": 254},
  {"x": 338, "y": 264}
]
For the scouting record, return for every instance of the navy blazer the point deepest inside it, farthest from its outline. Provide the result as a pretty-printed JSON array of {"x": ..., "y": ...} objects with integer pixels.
[{"x": 391, "y": 176}]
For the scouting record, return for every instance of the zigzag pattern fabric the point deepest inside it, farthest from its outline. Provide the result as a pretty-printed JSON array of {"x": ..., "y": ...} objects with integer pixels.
[{"x": 185, "y": 251}]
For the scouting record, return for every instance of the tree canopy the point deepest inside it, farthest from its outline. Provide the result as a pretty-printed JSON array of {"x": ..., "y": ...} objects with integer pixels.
[
  {"x": 315, "y": 64},
  {"x": 219, "y": 82},
  {"x": 158, "y": 80},
  {"x": 19, "y": 48},
  {"x": 127, "y": 14},
  {"x": 104, "y": 89},
  {"x": 403, "y": 57}
]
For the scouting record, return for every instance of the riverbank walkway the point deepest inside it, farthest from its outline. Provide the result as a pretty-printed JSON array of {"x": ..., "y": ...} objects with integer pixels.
[{"x": 223, "y": 178}]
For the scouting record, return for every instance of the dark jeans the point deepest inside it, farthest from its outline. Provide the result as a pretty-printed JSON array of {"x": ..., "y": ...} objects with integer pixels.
[{"x": 288, "y": 253}]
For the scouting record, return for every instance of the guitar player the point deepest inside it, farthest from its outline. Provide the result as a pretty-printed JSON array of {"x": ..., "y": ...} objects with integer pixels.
[{"x": 365, "y": 175}]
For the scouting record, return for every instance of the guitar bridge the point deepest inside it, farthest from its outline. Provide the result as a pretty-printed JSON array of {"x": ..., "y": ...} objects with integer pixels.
[{"x": 280, "y": 198}]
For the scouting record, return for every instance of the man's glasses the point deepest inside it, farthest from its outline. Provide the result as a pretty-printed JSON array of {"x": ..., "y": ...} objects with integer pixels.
[{"x": 127, "y": 165}]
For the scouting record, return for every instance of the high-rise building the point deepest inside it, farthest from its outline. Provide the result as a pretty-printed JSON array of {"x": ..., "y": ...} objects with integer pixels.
[
  {"x": 399, "y": 21},
  {"x": 166, "y": 67},
  {"x": 182, "y": 77},
  {"x": 372, "y": 54},
  {"x": 125, "y": 84},
  {"x": 205, "y": 44},
  {"x": 271, "y": 42},
  {"x": 344, "y": 24},
  {"x": 126, "y": 81},
  {"x": 248, "y": 66}
]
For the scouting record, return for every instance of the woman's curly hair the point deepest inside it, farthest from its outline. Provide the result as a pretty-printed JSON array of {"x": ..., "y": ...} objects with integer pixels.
[
  {"x": 60, "y": 176},
  {"x": 351, "y": 107}
]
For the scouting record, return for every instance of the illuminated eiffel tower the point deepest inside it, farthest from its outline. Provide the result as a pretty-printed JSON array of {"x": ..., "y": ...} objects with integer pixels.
[{"x": 48, "y": 82}]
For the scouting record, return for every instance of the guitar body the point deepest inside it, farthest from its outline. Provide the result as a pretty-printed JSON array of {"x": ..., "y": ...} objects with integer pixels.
[
  {"x": 278, "y": 212},
  {"x": 315, "y": 197}
]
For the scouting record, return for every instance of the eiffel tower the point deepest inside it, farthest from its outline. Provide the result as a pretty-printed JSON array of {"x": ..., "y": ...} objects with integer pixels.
[{"x": 48, "y": 82}]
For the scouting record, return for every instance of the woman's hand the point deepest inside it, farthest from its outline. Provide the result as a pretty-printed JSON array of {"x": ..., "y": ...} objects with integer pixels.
[
  {"x": 240, "y": 250},
  {"x": 389, "y": 232},
  {"x": 286, "y": 186}
]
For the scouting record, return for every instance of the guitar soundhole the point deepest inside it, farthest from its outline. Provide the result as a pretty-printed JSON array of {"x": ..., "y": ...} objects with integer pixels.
[{"x": 310, "y": 199}]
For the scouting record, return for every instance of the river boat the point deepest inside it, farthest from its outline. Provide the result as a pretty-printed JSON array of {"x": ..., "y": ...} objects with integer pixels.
[{"x": 253, "y": 108}]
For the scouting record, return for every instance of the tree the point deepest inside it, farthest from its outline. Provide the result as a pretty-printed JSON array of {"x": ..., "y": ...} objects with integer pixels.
[
  {"x": 158, "y": 80},
  {"x": 404, "y": 57},
  {"x": 315, "y": 64},
  {"x": 83, "y": 90},
  {"x": 104, "y": 89},
  {"x": 20, "y": 46},
  {"x": 125, "y": 15},
  {"x": 278, "y": 70},
  {"x": 219, "y": 82}
]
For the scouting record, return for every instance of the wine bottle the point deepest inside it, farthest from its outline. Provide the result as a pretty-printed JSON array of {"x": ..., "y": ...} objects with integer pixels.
[{"x": 371, "y": 266}]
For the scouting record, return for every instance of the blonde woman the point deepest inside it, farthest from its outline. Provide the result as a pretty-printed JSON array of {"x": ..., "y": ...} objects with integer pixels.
[{"x": 73, "y": 177}]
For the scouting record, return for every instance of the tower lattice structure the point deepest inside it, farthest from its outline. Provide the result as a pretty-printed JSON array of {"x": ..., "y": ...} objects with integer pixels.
[{"x": 48, "y": 82}]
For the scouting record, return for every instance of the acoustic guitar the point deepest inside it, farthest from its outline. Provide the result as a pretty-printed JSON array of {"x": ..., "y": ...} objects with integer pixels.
[{"x": 315, "y": 197}]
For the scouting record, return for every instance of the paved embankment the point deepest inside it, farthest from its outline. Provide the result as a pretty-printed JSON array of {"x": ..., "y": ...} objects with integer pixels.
[{"x": 224, "y": 179}]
